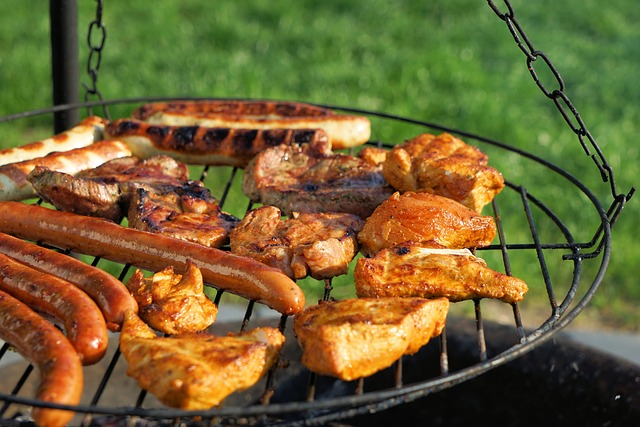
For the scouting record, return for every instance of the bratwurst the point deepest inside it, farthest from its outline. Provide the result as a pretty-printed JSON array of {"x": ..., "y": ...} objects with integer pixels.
[{"x": 98, "y": 237}]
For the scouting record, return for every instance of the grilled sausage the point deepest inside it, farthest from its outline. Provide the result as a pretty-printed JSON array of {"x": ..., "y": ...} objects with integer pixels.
[
  {"x": 44, "y": 346},
  {"x": 344, "y": 130},
  {"x": 13, "y": 177},
  {"x": 98, "y": 237},
  {"x": 204, "y": 145},
  {"x": 83, "y": 322},
  {"x": 108, "y": 293},
  {"x": 85, "y": 133}
]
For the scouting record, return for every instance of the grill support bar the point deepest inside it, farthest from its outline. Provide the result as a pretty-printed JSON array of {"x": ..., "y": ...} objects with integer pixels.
[{"x": 63, "y": 17}]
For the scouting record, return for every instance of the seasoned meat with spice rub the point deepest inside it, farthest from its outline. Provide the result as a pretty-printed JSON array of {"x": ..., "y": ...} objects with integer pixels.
[
  {"x": 413, "y": 270},
  {"x": 357, "y": 337},
  {"x": 189, "y": 213},
  {"x": 446, "y": 166},
  {"x": 424, "y": 218},
  {"x": 321, "y": 245},
  {"x": 197, "y": 371},
  {"x": 173, "y": 303},
  {"x": 105, "y": 191},
  {"x": 310, "y": 178}
]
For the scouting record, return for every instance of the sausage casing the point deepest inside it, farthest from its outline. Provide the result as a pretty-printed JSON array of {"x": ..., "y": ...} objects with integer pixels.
[
  {"x": 108, "y": 293},
  {"x": 43, "y": 345},
  {"x": 82, "y": 320},
  {"x": 13, "y": 177},
  {"x": 98, "y": 237},
  {"x": 85, "y": 133},
  {"x": 202, "y": 145},
  {"x": 343, "y": 130}
]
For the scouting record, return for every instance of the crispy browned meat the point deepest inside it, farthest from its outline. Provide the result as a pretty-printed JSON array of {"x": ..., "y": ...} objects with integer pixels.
[
  {"x": 321, "y": 244},
  {"x": 189, "y": 213},
  {"x": 354, "y": 338},
  {"x": 105, "y": 191},
  {"x": 173, "y": 303},
  {"x": 413, "y": 270},
  {"x": 197, "y": 371},
  {"x": 424, "y": 218},
  {"x": 311, "y": 178},
  {"x": 444, "y": 165},
  {"x": 77, "y": 195}
]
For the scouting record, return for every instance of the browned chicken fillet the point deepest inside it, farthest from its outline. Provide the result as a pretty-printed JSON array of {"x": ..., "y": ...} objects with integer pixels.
[
  {"x": 321, "y": 245},
  {"x": 197, "y": 371},
  {"x": 173, "y": 303},
  {"x": 354, "y": 338},
  {"x": 413, "y": 270},
  {"x": 194, "y": 216},
  {"x": 444, "y": 165},
  {"x": 424, "y": 218},
  {"x": 311, "y": 178}
]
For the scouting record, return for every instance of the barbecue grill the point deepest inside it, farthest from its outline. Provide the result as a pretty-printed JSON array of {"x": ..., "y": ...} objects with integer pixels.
[{"x": 569, "y": 267}]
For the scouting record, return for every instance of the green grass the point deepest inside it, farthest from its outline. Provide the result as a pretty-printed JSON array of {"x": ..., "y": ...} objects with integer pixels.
[{"x": 453, "y": 63}]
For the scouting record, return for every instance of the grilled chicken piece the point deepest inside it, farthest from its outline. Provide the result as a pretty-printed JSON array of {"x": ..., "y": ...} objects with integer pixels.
[
  {"x": 413, "y": 270},
  {"x": 354, "y": 338},
  {"x": 446, "y": 166},
  {"x": 424, "y": 218},
  {"x": 188, "y": 213},
  {"x": 197, "y": 371},
  {"x": 320, "y": 244},
  {"x": 105, "y": 191},
  {"x": 310, "y": 178},
  {"x": 173, "y": 303}
]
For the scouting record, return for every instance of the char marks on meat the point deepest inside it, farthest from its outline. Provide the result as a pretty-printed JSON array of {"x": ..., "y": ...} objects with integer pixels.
[
  {"x": 105, "y": 191},
  {"x": 310, "y": 178},
  {"x": 189, "y": 213},
  {"x": 320, "y": 244}
]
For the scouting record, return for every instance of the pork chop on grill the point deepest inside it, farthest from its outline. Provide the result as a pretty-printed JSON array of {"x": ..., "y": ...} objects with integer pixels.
[
  {"x": 414, "y": 270},
  {"x": 354, "y": 338},
  {"x": 424, "y": 218},
  {"x": 188, "y": 213},
  {"x": 310, "y": 178},
  {"x": 318, "y": 244},
  {"x": 105, "y": 191}
]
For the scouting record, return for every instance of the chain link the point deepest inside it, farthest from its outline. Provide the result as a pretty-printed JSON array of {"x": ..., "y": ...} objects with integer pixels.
[
  {"x": 560, "y": 99},
  {"x": 96, "y": 38}
]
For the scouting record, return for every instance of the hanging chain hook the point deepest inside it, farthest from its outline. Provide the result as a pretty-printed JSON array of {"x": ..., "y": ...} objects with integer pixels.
[
  {"x": 96, "y": 38},
  {"x": 562, "y": 102}
]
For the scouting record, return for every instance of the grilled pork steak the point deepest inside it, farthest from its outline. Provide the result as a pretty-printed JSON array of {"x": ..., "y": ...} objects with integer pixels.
[
  {"x": 189, "y": 213},
  {"x": 105, "y": 191},
  {"x": 310, "y": 178},
  {"x": 319, "y": 244}
]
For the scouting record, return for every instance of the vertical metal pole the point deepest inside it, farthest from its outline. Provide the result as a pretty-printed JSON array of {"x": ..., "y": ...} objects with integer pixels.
[{"x": 63, "y": 17}]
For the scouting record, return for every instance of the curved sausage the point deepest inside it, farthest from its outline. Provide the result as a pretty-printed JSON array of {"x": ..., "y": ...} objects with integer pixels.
[
  {"x": 44, "y": 346},
  {"x": 13, "y": 177},
  {"x": 85, "y": 133},
  {"x": 201, "y": 145},
  {"x": 98, "y": 237},
  {"x": 107, "y": 292},
  {"x": 83, "y": 322},
  {"x": 344, "y": 130}
]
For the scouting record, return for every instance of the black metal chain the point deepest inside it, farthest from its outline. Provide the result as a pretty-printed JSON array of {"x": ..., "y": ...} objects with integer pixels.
[
  {"x": 96, "y": 38},
  {"x": 562, "y": 102}
]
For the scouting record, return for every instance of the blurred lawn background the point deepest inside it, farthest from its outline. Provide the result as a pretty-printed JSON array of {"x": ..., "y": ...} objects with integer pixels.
[{"x": 448, "y": 62}]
